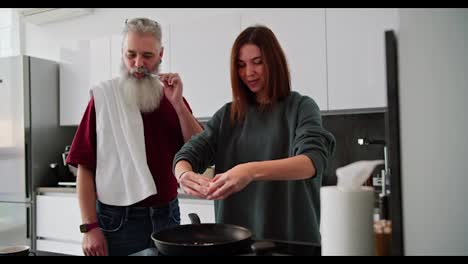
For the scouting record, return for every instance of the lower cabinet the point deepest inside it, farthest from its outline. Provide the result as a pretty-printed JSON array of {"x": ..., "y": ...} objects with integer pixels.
[
  {"x": 57, "y": 223},
  {"x": 58, "y": 219},
  {"x": 203, "y": 208}
]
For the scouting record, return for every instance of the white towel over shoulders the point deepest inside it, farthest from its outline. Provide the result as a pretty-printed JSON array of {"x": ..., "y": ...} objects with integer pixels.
[{"x": 122, "y": 173}]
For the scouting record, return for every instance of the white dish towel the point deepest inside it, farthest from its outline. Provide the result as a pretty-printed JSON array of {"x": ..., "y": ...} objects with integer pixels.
[{"x": 122, "y": 173}]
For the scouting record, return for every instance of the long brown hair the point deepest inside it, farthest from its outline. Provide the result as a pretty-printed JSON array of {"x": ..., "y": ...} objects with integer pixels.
[{"x": 276, "y": 72}]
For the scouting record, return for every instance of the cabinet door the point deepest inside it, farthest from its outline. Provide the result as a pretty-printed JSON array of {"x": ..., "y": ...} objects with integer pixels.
[
  {"x": 116, "y": 55},
  {"x": 356, "y": 57},
  {"x": 68, "y": 248},
  {"x": 301, "y": 33},
  {"x": 58, "y": 218},
  {"x": 82, "y": 64},
  {"x": 99, "y": 60},
  {"x": 74, "y": 81},
  {"x": 203, "y": 208},
  {"x": 200, "y": 53}
]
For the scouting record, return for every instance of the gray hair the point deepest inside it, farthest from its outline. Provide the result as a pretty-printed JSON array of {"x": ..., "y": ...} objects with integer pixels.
[{"x": 142, "y": 25}]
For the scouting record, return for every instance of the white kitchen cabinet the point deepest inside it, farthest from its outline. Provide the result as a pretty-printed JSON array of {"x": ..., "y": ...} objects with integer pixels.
[
  {"x": 203, "y": 208},
  {"x": 57, "y": 223},
  {"x": 68, "y": 248},
  {"x": 58, "y": 218},
  {"x": 200, "y": 53},
  {"x": 301, "y": 33},
  {"x": 82, "y": 65},
  {"x": 116, "y": 55},
  {"x": 99, "y": 60},
  {"x": 74, "y": 81},
  {"x": 356, "y": 57}
]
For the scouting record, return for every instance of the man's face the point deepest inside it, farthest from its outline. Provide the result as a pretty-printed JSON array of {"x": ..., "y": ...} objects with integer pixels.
[{"x": 142, "y": 53}]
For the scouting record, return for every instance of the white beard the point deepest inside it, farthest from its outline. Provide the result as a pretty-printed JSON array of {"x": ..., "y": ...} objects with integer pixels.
[{"x": 146, "y": 93}]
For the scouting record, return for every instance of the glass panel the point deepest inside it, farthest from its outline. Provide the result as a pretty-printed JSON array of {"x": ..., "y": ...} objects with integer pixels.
[
  {"x": 12, "y": 155},
  {"x": 13, "y": 224}
]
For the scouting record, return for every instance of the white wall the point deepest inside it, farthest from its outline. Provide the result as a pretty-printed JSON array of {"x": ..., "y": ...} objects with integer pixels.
[
  {"x": 433, "y": 61},
  {"x": 44, "y": 41}
]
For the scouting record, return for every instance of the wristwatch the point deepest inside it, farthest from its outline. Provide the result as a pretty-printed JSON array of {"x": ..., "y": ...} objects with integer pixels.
[{"x": 84, "y": 228}]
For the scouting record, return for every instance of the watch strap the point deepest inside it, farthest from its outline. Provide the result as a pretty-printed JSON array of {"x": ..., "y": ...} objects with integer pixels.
[{"x": 84, "y": 228}]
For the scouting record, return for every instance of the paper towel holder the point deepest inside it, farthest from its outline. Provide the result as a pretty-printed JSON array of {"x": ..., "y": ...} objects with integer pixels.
[{"x": 386, "y": 171}]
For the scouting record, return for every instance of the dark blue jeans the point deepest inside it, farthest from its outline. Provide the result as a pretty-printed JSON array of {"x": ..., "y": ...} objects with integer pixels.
[{"x": 128, "y": 229}]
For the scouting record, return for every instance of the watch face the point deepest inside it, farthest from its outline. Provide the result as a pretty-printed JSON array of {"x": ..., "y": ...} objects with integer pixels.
[{"x": 83, "y": 228}]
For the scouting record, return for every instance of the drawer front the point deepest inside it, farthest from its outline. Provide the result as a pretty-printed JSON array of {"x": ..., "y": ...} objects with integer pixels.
[
  {"x": 203, "y": 208},
  {"x": 58, "y": 217},
  {"x": 69, "y": 248}
]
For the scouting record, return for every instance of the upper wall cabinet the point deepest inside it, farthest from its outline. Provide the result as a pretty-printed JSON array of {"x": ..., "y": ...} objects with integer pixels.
[
  {"x": 99, "y": 58},
  {"x": 82, "y": 65},
  {"x": 200, "y": 53},
  {"x": 74, "y": 82},
  {"x": 301, "y": 33},
  {"x": 356, "y": 57},
  {"x": 116, "y": 55}
]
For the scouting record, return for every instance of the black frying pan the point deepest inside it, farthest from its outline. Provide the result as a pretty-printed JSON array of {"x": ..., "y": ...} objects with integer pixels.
[{"x": 203, "y": 239}]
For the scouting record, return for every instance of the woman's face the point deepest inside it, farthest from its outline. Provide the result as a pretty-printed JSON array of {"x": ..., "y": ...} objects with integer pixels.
[{"x": 250, "y": 68}]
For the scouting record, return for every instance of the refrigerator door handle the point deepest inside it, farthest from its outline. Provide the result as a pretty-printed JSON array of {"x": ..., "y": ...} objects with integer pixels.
[
  {"x": 28, "y": 222},
  {"x": 26, "y": 169}
]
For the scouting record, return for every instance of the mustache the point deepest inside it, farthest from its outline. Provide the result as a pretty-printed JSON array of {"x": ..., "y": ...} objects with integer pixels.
[{"x": 141, "y": 69}]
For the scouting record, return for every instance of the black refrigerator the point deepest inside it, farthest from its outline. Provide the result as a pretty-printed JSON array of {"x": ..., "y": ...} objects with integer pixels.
[{"x": 31, "y": 139}]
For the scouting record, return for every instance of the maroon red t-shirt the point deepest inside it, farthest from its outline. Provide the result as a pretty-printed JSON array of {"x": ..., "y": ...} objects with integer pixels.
[{"x": 163, "y": 138}]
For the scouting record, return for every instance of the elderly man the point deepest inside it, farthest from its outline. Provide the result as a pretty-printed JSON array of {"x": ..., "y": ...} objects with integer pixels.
[{"x": 124, "y": 147}]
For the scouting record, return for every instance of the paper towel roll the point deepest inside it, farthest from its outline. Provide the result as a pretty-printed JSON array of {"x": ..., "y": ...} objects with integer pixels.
[{"x": 347, "y": 221}]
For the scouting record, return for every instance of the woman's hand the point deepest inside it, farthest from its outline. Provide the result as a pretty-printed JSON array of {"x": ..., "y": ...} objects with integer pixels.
[
  {"x": 194, "y": 184},
  {"x": 232, "y": 181}
]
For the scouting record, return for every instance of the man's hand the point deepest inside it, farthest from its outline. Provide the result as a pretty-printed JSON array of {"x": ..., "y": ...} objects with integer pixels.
[
  {"x": 194, "y": 184},
  {"x": 94, "y": 243},
  {"x": 173, "y": 88},
  {"x": 232, "y": 181}
]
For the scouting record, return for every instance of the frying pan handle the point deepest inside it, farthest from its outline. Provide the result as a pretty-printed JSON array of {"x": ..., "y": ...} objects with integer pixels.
[{"x": 194, "y": 219}]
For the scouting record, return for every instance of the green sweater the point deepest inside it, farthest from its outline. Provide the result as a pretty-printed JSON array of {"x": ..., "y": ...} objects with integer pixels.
[{"x": 281, "y": 210}]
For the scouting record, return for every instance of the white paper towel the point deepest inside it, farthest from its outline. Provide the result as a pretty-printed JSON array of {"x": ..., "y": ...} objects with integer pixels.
[{"x": 347, "y": 221}]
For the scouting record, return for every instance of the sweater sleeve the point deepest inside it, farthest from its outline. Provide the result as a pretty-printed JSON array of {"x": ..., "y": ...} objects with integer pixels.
[
  {"x": 310, "y": 138},
  {"x": 200, "y": 150}
]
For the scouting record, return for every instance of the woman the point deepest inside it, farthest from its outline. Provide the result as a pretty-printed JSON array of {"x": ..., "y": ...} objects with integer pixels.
[{"x": 268, "y": 147}]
